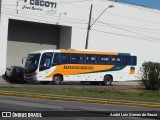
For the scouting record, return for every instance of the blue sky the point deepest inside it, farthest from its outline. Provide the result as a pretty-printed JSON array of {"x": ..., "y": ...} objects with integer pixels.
[{"x": 147, "y": 3}]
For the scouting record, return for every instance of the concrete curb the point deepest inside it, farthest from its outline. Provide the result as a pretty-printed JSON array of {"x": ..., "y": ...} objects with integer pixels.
[{"x": 81, "y": 99}]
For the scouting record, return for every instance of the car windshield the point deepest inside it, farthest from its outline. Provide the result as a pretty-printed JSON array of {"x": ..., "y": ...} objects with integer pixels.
[{"x": 32, "y": 62}]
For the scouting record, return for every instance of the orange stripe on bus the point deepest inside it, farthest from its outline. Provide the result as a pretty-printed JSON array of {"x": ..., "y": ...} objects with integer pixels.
[
  {"x": 88, "y": 52},
  {"x": 70, "y": 69}
]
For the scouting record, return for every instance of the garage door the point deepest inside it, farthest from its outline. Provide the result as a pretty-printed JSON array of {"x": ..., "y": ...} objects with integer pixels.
[{"x": 25, "y": 37}]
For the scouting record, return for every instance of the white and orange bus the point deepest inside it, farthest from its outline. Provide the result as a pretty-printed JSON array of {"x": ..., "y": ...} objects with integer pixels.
[{"x": 78, "y": 65}]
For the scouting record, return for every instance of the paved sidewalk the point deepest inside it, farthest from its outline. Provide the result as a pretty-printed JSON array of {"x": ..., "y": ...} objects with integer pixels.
[{"x": 3, "y": 81}]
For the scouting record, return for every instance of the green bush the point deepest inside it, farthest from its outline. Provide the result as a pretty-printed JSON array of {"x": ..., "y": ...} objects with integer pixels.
[{"x": 151, "y": 75}]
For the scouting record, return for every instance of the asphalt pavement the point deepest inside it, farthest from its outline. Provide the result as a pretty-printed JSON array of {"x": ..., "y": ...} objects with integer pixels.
[
  {"x": 122, "y": 84},
  {"x": 116, "y": 85},
  {"x": 70, "y": 110}
]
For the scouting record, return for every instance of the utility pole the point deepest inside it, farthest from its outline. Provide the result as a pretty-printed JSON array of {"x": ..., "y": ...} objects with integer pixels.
[
  {"x": 88, "y": 29},
  {"x": 90, "y": 25}
]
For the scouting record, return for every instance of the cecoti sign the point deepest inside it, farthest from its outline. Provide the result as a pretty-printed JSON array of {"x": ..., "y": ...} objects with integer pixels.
[{"x": 43, "y": 3}]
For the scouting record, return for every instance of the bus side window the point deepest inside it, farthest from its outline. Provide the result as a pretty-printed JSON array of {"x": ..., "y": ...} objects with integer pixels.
[
  {"x": 104, "y": 59},
  {"x": 133, "y": 60},
  {"x": 129, "y": 60},
  {"x": 76, "y": 58},
  {"x": 64, "y": 58},
  {"x": 56, "y": 59},
  {"x": 113, "y": 60},
  {"x": 124, "y": 60},
  {"x": 81, "y": 59},
  {"x": 118, "y": 60},
  {"x": 90, "y": 59}
]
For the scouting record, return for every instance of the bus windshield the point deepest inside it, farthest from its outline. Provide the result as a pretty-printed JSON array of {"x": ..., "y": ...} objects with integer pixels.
[{"x": 32, "y": 62}]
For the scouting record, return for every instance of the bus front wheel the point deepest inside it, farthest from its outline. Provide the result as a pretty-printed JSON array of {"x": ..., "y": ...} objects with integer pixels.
[
  {"x": 107, "y": 81},
  {"x": 57, "y": 79}
]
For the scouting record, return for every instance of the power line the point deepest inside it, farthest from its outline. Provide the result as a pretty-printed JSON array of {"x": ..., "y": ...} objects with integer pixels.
[
  {"x": 95, "y": 30},
  {"x": 116, "y": 14},
  {"x": 71, "y": 19},
  {"x": 78, "y": 21},
  {"x": 105, "y": 32},
  {"x": 74, "y": 20},
  {"x": 13, "y": 10},
  {"x": 144, "y": 29},
  {"x": 131, "y": 18},
  {"x": 126, "y": 35},
  {"x": 46, "y": 22},
  {"x": 130, "y": 31}
]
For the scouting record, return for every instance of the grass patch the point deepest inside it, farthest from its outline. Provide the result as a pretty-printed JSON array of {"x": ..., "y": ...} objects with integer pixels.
[{"x": 141, "y": 95}]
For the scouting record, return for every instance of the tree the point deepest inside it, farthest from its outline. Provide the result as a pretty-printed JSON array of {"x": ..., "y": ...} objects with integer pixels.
[{"x": 151, "y": 75}]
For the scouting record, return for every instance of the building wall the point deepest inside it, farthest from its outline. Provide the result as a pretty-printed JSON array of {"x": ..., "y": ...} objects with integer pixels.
[
  {"x": 0, "y": 10},
  {"x": 3, "y": 43},
  {"x": 65, "y": 37},
  {"x": 123, "y": 28}
]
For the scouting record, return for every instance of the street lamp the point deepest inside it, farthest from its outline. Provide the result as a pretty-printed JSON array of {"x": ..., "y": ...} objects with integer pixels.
[
  {"x": 90, "y": 25},
  {"x": 65, "y": 13},
  {"x": 17, "y": 3}
]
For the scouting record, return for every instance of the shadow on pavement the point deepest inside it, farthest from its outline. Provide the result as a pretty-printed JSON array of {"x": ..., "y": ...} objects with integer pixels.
[{"x": 8, "y": 80}]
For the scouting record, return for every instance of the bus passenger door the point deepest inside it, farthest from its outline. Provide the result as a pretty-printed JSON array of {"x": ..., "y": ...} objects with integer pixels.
[{"x": 45, "y": 64}]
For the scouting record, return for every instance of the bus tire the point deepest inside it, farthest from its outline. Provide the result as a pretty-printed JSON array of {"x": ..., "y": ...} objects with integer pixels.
[
  {"x": 107, "y": 81},
  {"x": 57, "y": 79}
]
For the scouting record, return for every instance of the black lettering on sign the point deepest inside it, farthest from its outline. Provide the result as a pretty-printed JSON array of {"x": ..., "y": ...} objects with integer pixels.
[
  {"x": 43, "y": 3},
  {"x": 79, "y": 67}
]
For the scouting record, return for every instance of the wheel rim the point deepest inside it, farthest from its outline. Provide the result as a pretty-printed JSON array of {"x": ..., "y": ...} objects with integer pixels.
[
  {"x": 107, "y": 80},
  {"x": 57, "y": 80}
]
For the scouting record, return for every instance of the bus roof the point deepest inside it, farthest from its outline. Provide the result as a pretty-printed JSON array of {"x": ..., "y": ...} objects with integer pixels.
[
  {"x": 87, "y": 51},
  {"x": 42, "y": 51},
  {"x": 79, "y": 51}
]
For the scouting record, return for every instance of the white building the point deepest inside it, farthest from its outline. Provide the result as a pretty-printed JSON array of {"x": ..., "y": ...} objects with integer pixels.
[{"x": 29, "y": 25}]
